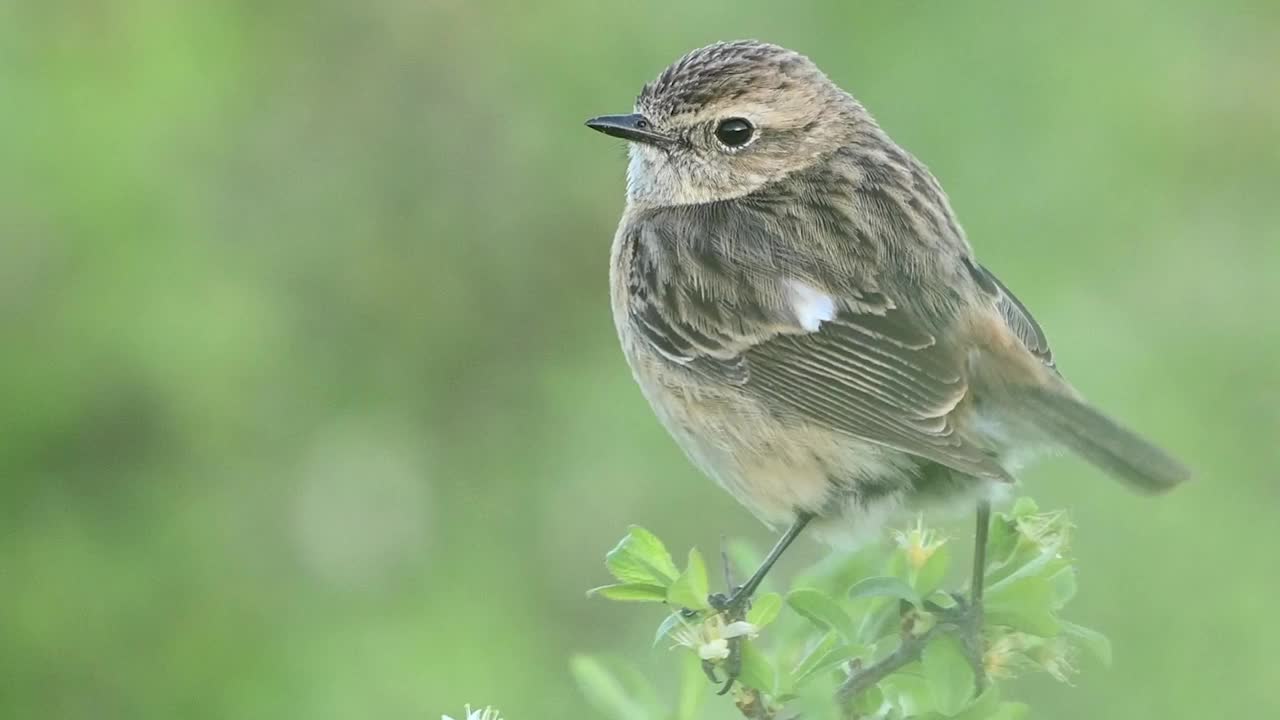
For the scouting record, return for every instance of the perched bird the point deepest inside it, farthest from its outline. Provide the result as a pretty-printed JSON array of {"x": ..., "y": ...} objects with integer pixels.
[{"x": 800, "y": 307}]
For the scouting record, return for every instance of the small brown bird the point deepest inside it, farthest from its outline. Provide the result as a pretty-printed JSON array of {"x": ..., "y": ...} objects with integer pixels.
[{"x": 806, "y": 317}]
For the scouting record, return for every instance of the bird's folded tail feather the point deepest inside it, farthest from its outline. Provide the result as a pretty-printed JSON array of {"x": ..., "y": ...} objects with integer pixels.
[{"x": 1103, "y": 442}]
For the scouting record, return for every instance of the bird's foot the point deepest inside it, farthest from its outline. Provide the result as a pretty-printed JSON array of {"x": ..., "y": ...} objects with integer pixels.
[{"x": 731, "y": 607}]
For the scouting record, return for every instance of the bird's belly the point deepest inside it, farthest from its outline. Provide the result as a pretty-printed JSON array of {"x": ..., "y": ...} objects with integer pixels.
[{"x": 777, "y": 466}]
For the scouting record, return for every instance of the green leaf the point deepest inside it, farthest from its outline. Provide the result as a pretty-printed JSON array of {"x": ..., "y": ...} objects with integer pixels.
[
  {"x": 640, "y": 557},
  {"x": 764, "y": 609},
  {"x": 816, "y": 653},
  {"x": 836, "y": 572},
  {"x": 898, "y": 567},
  {"x": 814, "y": 701},
  {"x": 1024, "y": 551},
  {"x": 828, "y": 660},
  {"x": 1095, "y": 642},
  {"x": 1025, "y": 604},
  {"x": 1001, "y": 541},
  {"x": 868, "y": 703},
  {"x": 757, "y": 671},
  {"x": 819, "y": 609},
  {"x": 885, "y": 586},
  {"x": 948, "y": 675},
  {"x": 983, "y": 707},
  {"x": 693, "y": 684},
  {"x": 630, "y": 592},
  {"x": 1023, "y": 507},
  {"x": 691, "y": 588},
  {"x": 603, "y": 690},
  {"x": 880, "y": 623},
  {"x": 941, "y": 599},
  {"x": 1011, "y": 711},
  {"x": 1064, "y": 587},
  {"x": 1031, "y": 560},
  {"x": 673, "y": 621},
  {"x": 908, "y": 692},
  {"x": 1007, "y": 549},
  {"x": 930, "y": 575}
]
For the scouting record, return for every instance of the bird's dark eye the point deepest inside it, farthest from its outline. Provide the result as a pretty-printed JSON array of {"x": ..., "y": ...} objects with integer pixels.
[
  {"x": 734, "y": 132},
  {"x": 642, "y": 124}
]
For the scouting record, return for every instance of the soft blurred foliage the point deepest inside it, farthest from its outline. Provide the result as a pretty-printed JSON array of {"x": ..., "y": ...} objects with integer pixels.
[
  {"x": 310, "y": 404},
  {"x": 875, "y": 633}
]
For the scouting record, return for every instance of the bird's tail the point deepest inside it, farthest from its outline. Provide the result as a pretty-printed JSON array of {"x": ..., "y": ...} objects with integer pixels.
[{"x": 1073, "y": 424}]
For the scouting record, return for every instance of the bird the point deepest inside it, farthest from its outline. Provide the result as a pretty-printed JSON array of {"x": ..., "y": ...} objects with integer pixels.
[{"x": 805, "y": 315}]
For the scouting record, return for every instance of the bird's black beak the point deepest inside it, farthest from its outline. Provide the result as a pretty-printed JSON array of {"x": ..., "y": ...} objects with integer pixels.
[{"x": 634, "y": 127}]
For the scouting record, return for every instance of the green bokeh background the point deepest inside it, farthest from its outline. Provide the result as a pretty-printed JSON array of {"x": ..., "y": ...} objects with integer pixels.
[{"x": 310, "y": 405}]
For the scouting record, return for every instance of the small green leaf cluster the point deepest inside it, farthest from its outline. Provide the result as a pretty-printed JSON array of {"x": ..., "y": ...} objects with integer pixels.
[{"x": 807, "y": 649}]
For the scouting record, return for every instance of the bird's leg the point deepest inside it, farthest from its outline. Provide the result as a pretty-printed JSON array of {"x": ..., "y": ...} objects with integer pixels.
[
  {"x": 736, "y": 603},
  {"x": 733, "y": 663},
  {"x": 974, "y": 620},
  {"x": 734, "y": 606}
]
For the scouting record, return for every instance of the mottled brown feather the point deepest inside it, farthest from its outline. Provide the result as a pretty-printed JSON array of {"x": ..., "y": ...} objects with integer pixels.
[{"x": 880, "y": 371}]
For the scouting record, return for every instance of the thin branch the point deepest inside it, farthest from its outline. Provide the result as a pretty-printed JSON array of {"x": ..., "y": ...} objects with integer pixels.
[
  {"x": 907, "y": 652},
  {"x": 752, "y": 705},
  {"x": 911, "y": 647}
]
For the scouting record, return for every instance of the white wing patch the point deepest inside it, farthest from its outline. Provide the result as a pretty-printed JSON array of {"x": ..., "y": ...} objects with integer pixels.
[{"x": 811, "y": 306}]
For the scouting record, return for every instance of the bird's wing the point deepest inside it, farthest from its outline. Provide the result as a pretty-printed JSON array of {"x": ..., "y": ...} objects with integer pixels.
[
  {"x": 804, "y": 335},
  {"x": 1016, "y": 315}
]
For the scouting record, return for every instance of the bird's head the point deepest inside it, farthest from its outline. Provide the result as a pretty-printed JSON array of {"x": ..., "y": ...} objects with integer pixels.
[{"x": 726, "y": 119}]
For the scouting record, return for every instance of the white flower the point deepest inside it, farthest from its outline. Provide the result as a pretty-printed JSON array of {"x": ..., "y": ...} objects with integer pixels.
[
  {"x": 716, "y": 649},
  {"x": 485, "y": 713},
  {"x": 710, "y": 638},
  {"x": 741, "y": 628}
]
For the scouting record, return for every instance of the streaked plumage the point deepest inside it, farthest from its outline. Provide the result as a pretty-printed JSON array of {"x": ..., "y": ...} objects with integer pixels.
[{"x": 806, "y": 316}]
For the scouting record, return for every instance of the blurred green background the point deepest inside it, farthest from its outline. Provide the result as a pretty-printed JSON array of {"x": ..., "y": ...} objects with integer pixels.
[{"x": 310, "y": 405}]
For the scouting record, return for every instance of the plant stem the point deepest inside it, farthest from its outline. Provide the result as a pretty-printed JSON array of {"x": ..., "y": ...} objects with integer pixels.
[
  {"x": 752, "y": 705},
  {"x": 906, "y": 653},
  {"x": 911, "y": 647}
]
